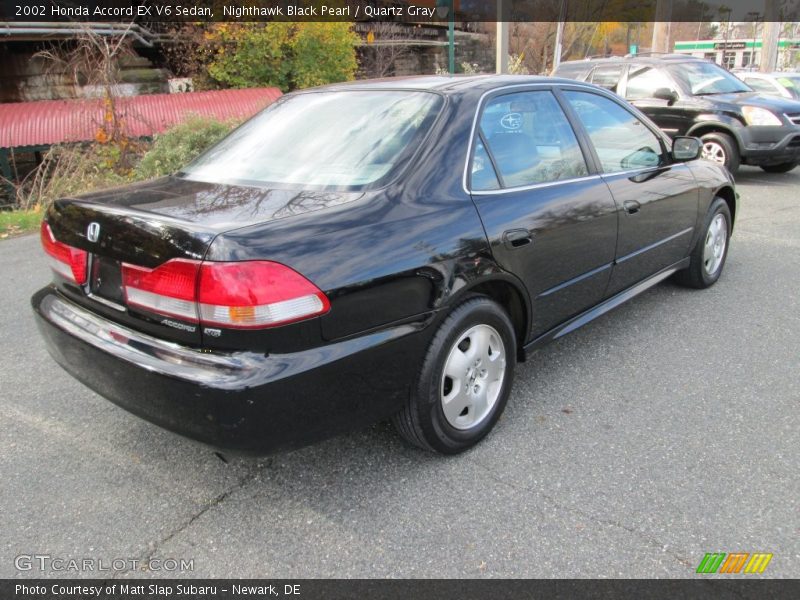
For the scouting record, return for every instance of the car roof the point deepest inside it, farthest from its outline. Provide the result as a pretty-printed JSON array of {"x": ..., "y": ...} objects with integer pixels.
[
  {"x": 447, "y": 83},
  {"x": 766, "y": 75},
  {"x": 652, "y": 59}
]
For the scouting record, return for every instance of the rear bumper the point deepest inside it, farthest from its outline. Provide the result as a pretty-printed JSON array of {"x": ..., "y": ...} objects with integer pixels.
[
  {"x": 245, "y": 400},
  {"x": 770, "y": 145}
]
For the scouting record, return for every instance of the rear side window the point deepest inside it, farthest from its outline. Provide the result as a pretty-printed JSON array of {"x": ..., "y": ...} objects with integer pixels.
[
  {"x": 484, "y": 176},
  {"x": 527, "y": 137},
  {"x": 607, "y": 77},
  {"x": 621, "y": 140}
]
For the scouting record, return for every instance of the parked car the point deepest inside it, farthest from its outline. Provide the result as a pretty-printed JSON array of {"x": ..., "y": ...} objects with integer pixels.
[
  {"x": 373, "y": 250},
  {"x": 691, "y": 96},
  {"x": 785, "y": 85}
]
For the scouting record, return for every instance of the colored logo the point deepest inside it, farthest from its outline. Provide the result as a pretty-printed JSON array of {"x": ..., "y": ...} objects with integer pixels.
[{"x": 719, "y": 562}]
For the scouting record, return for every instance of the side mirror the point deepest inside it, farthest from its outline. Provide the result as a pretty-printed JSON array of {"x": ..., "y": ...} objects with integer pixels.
[
  {"x": 686, "y": 148},
  {"x": 666, "y": 94}
]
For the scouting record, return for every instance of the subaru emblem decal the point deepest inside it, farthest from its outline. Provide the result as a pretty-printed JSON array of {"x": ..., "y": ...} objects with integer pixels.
[{"x": 93, "y": 232}]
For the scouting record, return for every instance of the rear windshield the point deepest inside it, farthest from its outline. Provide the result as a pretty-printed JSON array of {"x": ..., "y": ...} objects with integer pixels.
[
  {"x": 344, "y": 139},
  {"x": 705, "y": 78}
]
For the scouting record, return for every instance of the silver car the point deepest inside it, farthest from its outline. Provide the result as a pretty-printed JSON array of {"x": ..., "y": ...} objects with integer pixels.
[{"x": 786, "y": 85}]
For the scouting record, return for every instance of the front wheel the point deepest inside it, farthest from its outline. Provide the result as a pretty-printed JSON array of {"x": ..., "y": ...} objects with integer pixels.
[
  {"x": 721, "y": 149},
  {"x": 781, "y": 168},
  {"x": 709, "y": 253},
  {"x": 464, "y": 381}
]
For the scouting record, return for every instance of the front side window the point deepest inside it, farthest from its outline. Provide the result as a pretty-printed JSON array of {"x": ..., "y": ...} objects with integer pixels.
[
  {"x": 621, "y": 140},
  {"x": 643, "y": 83},
  {"x": 702, "y": 78},
  {"x": 530, "y": 141},
  {"x": 345, "y": 139}
]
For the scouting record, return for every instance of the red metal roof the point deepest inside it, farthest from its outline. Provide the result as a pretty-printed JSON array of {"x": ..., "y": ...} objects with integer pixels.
[{"x": 56, "y": 121}]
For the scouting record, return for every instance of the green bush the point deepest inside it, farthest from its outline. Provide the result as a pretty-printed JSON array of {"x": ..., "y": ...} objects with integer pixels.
[
  {"x": 284, "y": 55},
  {"x": 181, "y": 144},
  {"x": 323, "y": 53},
  {"x": 250, "y": 54}
]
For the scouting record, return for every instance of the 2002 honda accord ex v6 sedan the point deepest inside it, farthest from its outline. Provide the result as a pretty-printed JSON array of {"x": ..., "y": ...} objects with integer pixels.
[{"x": 372, "y": 250}]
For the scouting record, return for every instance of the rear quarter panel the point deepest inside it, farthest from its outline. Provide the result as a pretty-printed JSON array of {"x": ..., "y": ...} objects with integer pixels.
[{"x": 397, "y": 253}]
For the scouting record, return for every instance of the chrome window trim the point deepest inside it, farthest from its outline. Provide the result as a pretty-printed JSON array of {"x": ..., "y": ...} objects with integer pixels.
[
  {"x": 535, "y": 87},
  {"x": 470, "y": 144},
  {"x": 534, "y": 186}
]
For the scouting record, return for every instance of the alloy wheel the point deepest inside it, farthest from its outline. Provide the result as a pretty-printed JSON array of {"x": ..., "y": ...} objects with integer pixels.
[
  {"x": 716, "y": 240},
  {"x": 473, "y": 376},
  {"x": 714, "y": 151}
]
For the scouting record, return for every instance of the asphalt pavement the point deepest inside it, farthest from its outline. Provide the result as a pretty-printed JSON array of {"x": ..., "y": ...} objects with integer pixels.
[{"x": 667, "y": 429}]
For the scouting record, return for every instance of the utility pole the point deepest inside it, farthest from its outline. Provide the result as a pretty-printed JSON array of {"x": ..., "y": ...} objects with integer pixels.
[
  {"x": 502, "y": 39},
  {"x": 770, "y": 32},
  {"x": 451, "y": 38},
  {"x": 661, "y": 27},
  {"x": 442, "y": 7},
  {"x": 562, "y": 15}
]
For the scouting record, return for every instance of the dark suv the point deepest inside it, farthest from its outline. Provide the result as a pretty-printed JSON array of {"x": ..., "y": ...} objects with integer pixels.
[{"x": 690, "y": 96}]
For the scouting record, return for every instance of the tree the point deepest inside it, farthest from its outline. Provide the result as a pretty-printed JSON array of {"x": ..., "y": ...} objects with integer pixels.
[
  {"x": 385, "y": 46},
  {"x": 91, "y": 59}
]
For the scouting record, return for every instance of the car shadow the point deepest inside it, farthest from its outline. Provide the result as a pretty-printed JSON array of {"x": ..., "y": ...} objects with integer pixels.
[{"x": 755, "y": 176}]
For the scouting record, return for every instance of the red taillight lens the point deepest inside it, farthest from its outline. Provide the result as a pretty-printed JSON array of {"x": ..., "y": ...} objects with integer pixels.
[
  {"x": 256, "y": 294},
  {"x": 65, "y": 260},
  {"x": 169, "y": 289},
  {"x": 241, "y": 295}
]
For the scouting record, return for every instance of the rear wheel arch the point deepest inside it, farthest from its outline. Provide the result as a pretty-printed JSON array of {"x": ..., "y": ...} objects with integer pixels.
[{"x": 509, "y": 296}]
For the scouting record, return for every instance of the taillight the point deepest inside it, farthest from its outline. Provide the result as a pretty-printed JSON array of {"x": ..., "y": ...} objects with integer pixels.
[
  {"x": 65, "y": 260},
  {"x": 169, "y": 289},
  {"x": 256, "y": 294},
  {"x": 243, "y": 295}
]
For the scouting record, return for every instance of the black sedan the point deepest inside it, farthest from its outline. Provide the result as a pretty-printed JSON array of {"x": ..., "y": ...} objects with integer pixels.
[{"x": 373, "y": 250}]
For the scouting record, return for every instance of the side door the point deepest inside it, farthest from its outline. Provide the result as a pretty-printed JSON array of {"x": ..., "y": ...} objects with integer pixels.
[
  {"x": 657, "y": 199},
  {"x": 642, "y": 86},
  {"x": 550, "y": 219}
]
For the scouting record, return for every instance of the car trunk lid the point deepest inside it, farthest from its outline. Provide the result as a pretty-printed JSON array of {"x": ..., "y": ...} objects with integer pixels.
[{"x": 146, "y": 225}]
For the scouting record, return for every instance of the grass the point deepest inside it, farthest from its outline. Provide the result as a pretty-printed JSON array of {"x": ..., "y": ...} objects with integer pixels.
[{"x": 15, "y": 222}]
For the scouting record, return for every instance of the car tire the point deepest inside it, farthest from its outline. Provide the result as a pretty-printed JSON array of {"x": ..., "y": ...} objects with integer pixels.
[
  {"x": 464, "y": 381},
  {"x": 722, "y": 149},
  {"x": 781, "y": 168},
  {"x": 711, "y": 250}
]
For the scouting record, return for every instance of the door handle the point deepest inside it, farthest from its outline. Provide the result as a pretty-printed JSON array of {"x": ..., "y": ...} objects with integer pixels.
[
  {"x": 516, "y": 238},
  {"x": 631, "y": 206}
]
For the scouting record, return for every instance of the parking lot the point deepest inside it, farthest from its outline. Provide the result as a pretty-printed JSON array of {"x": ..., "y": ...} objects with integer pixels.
[{"x": 667, "y": 429}]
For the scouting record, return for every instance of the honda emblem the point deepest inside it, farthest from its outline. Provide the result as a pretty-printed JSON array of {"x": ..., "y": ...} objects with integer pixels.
[{"x": 93, "y": 232}]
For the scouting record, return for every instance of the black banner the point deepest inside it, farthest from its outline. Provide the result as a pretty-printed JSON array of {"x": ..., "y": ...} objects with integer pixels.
[
  {"x": 228, "y": 589},
  {"x": 407, "y": 11}
]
